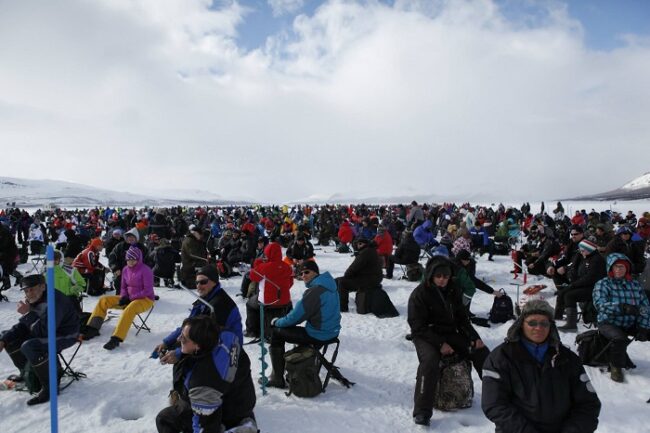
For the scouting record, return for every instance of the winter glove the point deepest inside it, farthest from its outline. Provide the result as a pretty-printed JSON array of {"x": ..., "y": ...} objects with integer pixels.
[
  {"x": 629, "y": 310},
  {"x": 643, "y": 334},
  {"x": 275, "y": 319},
  {"x": 124, "y": 301}
]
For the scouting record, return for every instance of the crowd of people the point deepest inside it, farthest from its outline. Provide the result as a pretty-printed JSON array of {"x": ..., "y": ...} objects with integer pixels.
[{"x": 596, "y": 261}]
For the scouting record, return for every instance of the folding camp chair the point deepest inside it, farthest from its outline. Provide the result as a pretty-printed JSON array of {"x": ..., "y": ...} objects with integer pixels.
[
  {"x": 68, "y": 371},
  {"x": 38, "y": 264},
  {"x": 332, "y": 370},
  {"x": 142, "y": 326}
]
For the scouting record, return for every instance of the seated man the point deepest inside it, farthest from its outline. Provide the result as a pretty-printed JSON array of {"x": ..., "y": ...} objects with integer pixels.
[
  {"x": 136, "y": 296},
  {"x": 319, "y": 307},
  {"x": 298, "y": 251},
  {"x": 364, "y": 273},
  {"x": 213, "y": 388},
  {"x": 224, "y": 311},
  {"x": 424, "y": 236},
  {"x": 440, "y": 326},
  {"x": 623, "y": 309},
  {"x": 585, "y": 270},
  {"x": 88, "y": 265},
  {"x": 547, "y": 247},
  {"x": 532, "y": 383},
  {"x": 68, "y": 281},
  {"x": 557, "y": 269},
  {"x": 26, "y": 341},
  {"x": 407, "y": 253}
]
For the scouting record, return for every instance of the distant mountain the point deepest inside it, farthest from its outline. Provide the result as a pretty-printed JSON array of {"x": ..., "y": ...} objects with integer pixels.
[
  {"x": 636, "y": 189},
  {"x": 56, "y": 193}
]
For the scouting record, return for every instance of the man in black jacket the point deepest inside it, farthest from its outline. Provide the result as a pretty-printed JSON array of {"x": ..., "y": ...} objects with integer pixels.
[
  {"x": 407, "y": 253},
  {"x": 364, "y": 273},
  {"x": 531, "y": 383},
  {"x": 440, "y": 326},
  {"x": 27, "y": 340}
]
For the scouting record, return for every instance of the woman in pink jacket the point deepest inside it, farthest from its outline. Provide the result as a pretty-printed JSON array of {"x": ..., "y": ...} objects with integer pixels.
[{"x": 136, "y": 296}]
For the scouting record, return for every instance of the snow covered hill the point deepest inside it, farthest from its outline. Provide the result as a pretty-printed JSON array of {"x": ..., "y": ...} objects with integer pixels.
[
  {"x": 636, "y": 189},
  {"x": 56, "y": 193},
  {"x": 125, "y": 389}
]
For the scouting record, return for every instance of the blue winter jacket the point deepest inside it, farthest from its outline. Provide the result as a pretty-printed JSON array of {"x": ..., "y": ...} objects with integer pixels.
[
  {"x": 609, "y": 293},
  {"x": 423, "y": 235},
  {"x": 320, "y": 307}
]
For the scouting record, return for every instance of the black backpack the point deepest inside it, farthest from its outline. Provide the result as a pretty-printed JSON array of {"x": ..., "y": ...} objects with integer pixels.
[
  {"x": 502, "y": 309},
  {"x": 455, "y": 388},
  {"x": 303, "y": 366},
  {"x": 414, "y": 272},
  {"x": 593, "y": 350}
]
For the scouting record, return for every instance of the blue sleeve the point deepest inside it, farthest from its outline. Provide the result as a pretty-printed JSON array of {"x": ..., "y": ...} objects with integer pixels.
[
  {"x": 170, "y": 340},
  {"x": 233, "y": 324},
  {"x": 297, "y": 315}
]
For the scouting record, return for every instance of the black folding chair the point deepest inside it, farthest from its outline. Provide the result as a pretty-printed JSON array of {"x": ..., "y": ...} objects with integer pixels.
[
  {"x": 332, "y": 370},
  {"x": 68, "y": 371},
  {"x": 142, "y": 325}
]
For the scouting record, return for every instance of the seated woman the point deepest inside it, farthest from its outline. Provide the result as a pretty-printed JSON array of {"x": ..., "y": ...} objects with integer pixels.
[
  {"x": 623, "y": 309},
  {"x": 136, "y": 296},
  {"x": 213, "y": 389}
]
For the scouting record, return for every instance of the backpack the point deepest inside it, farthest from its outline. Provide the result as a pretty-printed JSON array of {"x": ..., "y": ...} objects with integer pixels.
[
  {"x": 343, "y": 249},
  {"x": 455, "y": 388},
  {"x": 302, "y": 365},
  {"x": 414, "y": 272},
  {"x": 502, "y": 309},
  {"x": 593, "y": 350}
]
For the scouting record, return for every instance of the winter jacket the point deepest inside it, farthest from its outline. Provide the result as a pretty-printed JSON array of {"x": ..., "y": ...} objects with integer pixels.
[
  {"x": 423, "y": 235},
  {"x": 461, "y": 244},
  {"x": 68, "y": 281},
  {"x": 384, "y": 243},
  {"x": 224, "y": 312},
  {"x": 34, "y": 323},
  {"x": 217, "y": 385},
  {"x": 521, "y": 395},
  {"x": 117, "y": 258},
  {"x": 165, "y": 258},
  {"x": 137, "y": 281},
  {"x": 295, "y": 251},
  {"x": 345, "y": 233},
  {"x": 192, "y": 252},
  {"x": 366, "y": 267},
  {"x": 319, "y": 307},
  {"x": 586, "y": 271},
  {"x": 408, "y": 250},
  {"x": 609, "y": 293},
  {"x": 87, "y": 261},
  {"x": 278, "y": 276},
  {"x": 434, "y": 313}
]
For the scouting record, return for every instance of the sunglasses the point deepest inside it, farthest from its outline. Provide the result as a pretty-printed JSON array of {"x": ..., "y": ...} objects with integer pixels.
[
  {"x": 201, "y": 282},
  {"x": 540, "y": 323}
]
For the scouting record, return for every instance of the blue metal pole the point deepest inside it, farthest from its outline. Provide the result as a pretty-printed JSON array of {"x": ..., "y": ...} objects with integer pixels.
[{"x": 51, "y": 341}]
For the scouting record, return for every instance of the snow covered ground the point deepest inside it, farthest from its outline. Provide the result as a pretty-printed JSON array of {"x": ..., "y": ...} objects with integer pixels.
[{"x": 125, "y": 389}]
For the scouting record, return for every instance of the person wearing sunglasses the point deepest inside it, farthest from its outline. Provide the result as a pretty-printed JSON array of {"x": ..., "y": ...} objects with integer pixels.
[
  {"x": 532, "y": 383},
  {"x": 224, "y": 312},
  {"x": 440, "y": 326},
  {"x": 318, "y": 308}
]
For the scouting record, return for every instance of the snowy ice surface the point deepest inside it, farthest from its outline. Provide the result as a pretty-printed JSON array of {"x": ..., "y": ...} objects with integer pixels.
[{"x": 125, "y": 389}]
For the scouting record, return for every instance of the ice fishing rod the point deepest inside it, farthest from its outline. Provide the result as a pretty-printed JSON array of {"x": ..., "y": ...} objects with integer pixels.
[{"x": 203, "y": 301}]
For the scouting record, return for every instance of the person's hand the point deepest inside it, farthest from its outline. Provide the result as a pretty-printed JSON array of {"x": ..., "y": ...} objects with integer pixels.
[
  {"x": 446, "y": 349},
  {"x": 169, "y": 358},
  {"x": 531, "y": 266},
  {"x": 22, "y": 308},
  {"x": 478, "y": 344},
  {"x": 643, "y": 334},
  {"x": 561, "y": 270},
  {"x": 160, "y": 348},
  {"x": 275, "y": 319},
  {"x": 629, "y": 310},
  {"x": 124, "y": 301},
  {"x": 498, "y": 293},
  {"x": 550, "y": 271}
]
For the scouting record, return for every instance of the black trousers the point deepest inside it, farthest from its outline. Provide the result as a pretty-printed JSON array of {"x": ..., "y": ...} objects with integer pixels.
[
  {"x": 294, "y": 335},
  {"x": 347, "y": 285},
  {"x": 390, "y": 264},
  {"x": 429, "y": 369},
  {"x": 618, "y": 337},
  {"x": 175, "y": 419},
  {"x": 569, "y": 298}
]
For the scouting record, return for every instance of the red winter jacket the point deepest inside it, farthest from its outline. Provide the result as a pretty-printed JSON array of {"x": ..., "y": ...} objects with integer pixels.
[
  {"x": 87, "y": 261},
  {"x": 278, "y": 276},
  {"x": 384, "y": 244},
  {"x": 345, "y": 233}
]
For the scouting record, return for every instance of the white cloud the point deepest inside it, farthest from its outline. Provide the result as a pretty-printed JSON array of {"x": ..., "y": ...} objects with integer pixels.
[
  {"x": 282, "y": 7},
  {"x": 360, "y": 98}
]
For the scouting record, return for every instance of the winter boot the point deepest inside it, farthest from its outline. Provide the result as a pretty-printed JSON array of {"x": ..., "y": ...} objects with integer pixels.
[
  {"x": 41, "y": 369},
  {"x": 89, "y": 333},
  {"x": 19, "y": 361},
  {"x": 276, "y": 380},
  {"x": 571, "y": 324},
  {"x": 112, "y": 343},
  {"x": 422, "y": 419},
  {"x": 616, "y": 374}
]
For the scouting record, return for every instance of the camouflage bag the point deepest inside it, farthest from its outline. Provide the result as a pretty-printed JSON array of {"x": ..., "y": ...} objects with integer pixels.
[{"x": 455, "y": 388}]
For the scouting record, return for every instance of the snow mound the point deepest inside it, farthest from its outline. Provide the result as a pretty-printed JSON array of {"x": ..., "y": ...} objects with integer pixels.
[{"x": 639, "y": 182}]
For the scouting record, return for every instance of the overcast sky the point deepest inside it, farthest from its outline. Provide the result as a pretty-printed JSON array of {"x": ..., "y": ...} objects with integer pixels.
[{"x": 287, "y": 99}]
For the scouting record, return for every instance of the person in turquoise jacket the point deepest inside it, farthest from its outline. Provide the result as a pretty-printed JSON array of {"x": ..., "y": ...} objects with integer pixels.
[{"x": 319, "y": 308}]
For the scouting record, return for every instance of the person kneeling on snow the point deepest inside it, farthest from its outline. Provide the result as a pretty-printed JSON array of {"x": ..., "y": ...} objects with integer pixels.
[
  {"x": 213, "y": 389},
  {"x": 440, "y": 326},
  {"x": 136, "y": 296},
  {"x": 532, "y": 383},
  {"x": 26, "y": 341},
  {"x": 319, "y": 307}
]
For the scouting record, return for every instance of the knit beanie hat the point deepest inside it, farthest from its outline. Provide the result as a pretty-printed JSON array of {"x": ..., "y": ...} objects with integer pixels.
[
  {"x": 134, "y": 253},
  {"x": 587, "y": 246}
]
